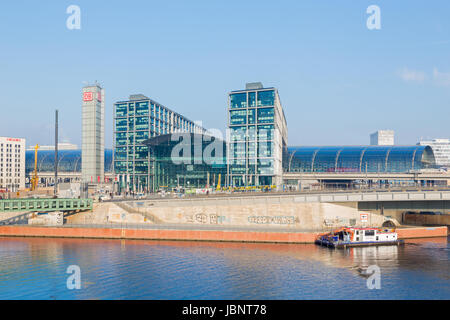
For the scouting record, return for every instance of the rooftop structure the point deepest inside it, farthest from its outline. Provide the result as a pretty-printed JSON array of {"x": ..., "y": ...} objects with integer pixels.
[{"x": 382, "y": 138}]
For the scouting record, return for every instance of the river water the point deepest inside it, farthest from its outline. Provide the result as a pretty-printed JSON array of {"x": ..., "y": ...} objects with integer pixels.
[{"x": 36, "y": 268}]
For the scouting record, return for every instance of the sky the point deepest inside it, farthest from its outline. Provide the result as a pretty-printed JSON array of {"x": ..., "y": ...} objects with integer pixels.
[{"x": 338, "y": 81}]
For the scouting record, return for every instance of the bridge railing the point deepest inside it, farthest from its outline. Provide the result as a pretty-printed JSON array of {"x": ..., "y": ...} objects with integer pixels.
[{"x": 45, "y": 205}]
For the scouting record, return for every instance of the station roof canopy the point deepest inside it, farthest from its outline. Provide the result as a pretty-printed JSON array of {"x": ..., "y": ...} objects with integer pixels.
[{"x": 359, "y": 159}]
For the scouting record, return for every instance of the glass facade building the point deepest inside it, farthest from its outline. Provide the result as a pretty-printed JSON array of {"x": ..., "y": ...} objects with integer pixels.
[
  {"x": 257, "y": 136},
  {"x": 135, "y": 121},
  {"x": 359, "y": 159},
  {"x": 187, "y": 160}
]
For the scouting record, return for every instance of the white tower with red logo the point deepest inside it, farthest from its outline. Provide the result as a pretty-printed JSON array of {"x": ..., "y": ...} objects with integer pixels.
[{"x": 93, "y": 134}]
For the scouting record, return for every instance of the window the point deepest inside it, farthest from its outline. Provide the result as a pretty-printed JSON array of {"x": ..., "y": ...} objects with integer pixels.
[
  {"x": 238, "y": 133},
  {"x": 252, "y": 99},
  {"x": 142, "y": 123},
  {"x": 265, "y": 115},
  {"x": 238, "y": 117},
  {"x": 265, "y": 166},
  {"x": 121, "y": 124},
  {"x": 370, "y": 232},
  {"x": 265, "y": 149},
  {"x": 238, "y": 149},
  {"x": 265, "y": 132},
  {"x": 238, "y": 100},
  {"x": 121, "y": 110},
  {"x": 251, "y": 116},
  {"x": 131, "y": 109},
  {"x": 130, "y": 124},
  {"x": 141, "y": 108},
  {"x": 266, "y": 98}
]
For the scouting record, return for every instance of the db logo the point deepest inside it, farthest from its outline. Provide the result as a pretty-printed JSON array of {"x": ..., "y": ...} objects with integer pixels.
[{"x": 87, "y": 96}]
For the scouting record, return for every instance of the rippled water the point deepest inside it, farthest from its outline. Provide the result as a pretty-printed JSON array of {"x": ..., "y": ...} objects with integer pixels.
[{"x": 35, "y": 268}]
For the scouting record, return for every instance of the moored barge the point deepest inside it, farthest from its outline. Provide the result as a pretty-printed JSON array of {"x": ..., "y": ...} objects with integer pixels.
[{"x": 357, "y": 237}]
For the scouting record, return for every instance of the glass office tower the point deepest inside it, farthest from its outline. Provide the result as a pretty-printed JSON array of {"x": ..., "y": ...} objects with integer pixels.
[
  {"x": 135, "y": 121},
  {"x": 257, "y": 137}
]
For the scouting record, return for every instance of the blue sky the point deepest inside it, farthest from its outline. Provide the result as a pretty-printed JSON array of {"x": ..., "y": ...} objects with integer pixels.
[{"x": 338, "y": 80}]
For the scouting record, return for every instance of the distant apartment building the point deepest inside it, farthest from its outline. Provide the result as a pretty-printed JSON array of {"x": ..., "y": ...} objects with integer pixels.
[
  {"x": 441, "y": 150},
  {"x": 12, "y": 164},
  {"x": 382, "y": 138},
  {"x": 136, "y": 120},
  {"x": 257, "y": 136},
  {"x": 93, "y": 134}
]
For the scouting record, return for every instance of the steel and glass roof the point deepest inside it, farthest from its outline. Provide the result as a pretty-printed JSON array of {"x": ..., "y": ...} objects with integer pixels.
[
  {"x": 358, "y": 159},
  {"x": 68, "y": 161}
]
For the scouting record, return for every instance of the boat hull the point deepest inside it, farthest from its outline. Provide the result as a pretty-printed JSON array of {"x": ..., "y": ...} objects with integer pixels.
[{"x": 343, "y": 245}]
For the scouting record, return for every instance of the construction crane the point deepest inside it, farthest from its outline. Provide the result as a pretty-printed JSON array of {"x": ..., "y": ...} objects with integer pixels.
[
  {"x": 34, "y": 180},
  {"x": 218, "y": 183}
]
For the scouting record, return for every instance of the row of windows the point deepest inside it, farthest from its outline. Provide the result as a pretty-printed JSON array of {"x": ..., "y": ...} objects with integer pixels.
[
  {"x": 158, "y": 113},
  {"x": 245, "y": 150},
  {"x": 252, "y": 166},
  {"x": 10, "y": 174},
  {"x": 260, "y": 132},
  {"x": 252, "y": 99},
  {"x": 8, "y": 145},
  {"x": 264, "y": 115},
  {"x": 139, "y": 123},
  {"x": 139, "y": 167}
]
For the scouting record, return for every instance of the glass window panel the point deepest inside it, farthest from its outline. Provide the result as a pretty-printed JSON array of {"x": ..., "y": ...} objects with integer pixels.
[
  {"x": 121, "y": 110},
  {"x": 238, "y": 100},
  {"x": 238, "y": 116},
  {"x": 266, "y": 98},
  {"x": 121, "y": 124},
  {"x": 251, "y": 116},
  {"x": 238, "y": 133},
  {"x": 142, "y": 109},
  {"x": 131, "y": 109},
  {"x": 265, "y": 115},
  {"x": 252, "y": 99}
]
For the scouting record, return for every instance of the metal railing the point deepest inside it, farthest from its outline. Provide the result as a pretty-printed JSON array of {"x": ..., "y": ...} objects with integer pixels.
[{"x": 45, "y": 205}]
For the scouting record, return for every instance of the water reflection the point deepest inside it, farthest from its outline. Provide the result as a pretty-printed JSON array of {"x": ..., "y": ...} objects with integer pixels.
[{"x": 35, "y": 268}]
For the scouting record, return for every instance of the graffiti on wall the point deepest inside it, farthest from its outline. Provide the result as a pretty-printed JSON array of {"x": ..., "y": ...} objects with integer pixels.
[
  {"x": 272, "y": 220},
  {"x": 204, "y": 218}
]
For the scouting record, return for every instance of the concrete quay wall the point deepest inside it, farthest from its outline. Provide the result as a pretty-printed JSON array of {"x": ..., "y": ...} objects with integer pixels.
[
  {"x": 259, "y": 213},
  {"x": 193, "y": 235}
]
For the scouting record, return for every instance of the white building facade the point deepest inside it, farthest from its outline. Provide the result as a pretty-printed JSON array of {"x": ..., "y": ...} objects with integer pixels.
[
  {"x": 93, "y": 134},
  {"x": 12, "y": 164},
  {"x": 382, "y": 138},
  {"x": 441, "y": 150}
]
